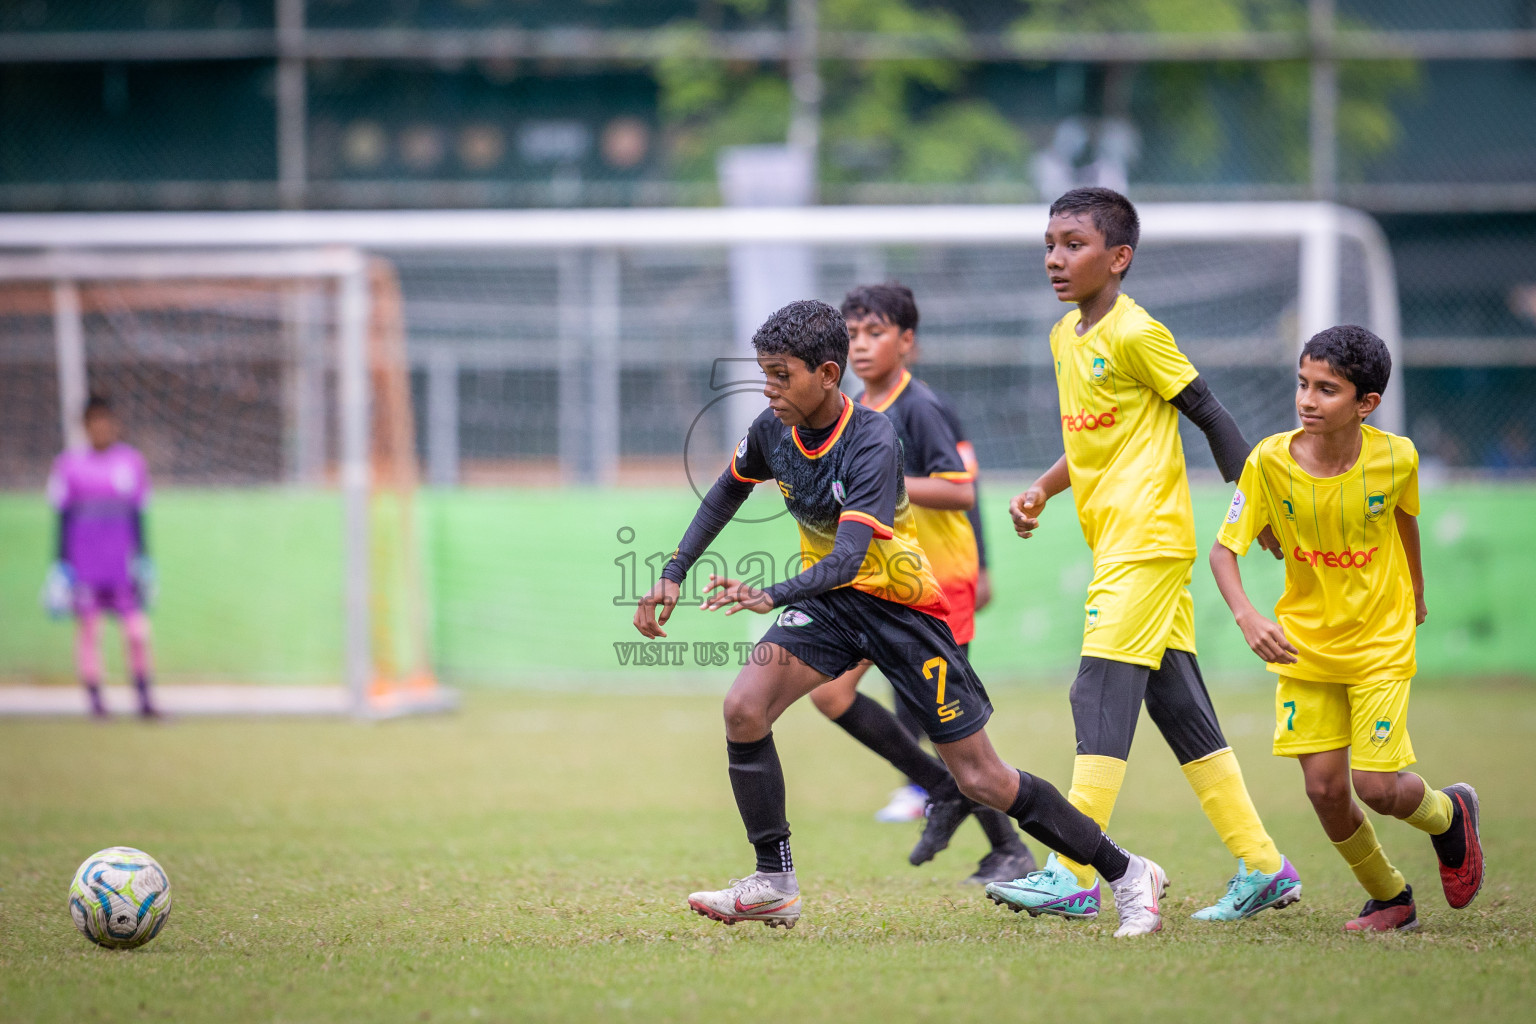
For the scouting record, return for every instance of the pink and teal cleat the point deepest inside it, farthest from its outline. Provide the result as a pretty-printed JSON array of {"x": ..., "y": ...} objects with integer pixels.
[
  {"x": 1252, "y": 891},
  {"x": 1051, "y": 890}
]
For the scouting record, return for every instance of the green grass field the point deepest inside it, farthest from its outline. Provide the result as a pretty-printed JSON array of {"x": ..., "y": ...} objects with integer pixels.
[{"x": 528, "y": 859}]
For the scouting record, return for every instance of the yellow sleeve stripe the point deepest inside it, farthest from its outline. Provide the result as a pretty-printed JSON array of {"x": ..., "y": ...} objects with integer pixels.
[
  {"x": 882, "y": 532},
  {"x": 959, "y": 478},
  {"x": 738, "y": 476}
]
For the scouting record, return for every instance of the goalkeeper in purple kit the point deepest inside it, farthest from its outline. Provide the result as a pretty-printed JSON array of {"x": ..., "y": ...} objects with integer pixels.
[{"x": 99, "y": 493}]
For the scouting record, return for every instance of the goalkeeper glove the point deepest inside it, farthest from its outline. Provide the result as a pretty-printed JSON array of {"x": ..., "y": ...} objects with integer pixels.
[
  {"x": 144, "y": 581},
  {"x": 58, "y": 594}
]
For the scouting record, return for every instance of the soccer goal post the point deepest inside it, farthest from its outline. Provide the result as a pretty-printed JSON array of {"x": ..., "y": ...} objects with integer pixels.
[
  {"x": 231, "y": 367},
  {"x": 594, "y": 347}
]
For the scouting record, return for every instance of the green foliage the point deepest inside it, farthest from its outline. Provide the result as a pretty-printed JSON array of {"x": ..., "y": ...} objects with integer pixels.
[
  {"x": 1272, "y": 97},
  {"x": 904, "y": 120},
  {"x": 912, "y": 120}
]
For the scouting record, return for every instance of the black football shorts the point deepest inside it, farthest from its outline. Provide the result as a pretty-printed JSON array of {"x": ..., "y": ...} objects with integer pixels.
[{"x": 834, "y": 631}]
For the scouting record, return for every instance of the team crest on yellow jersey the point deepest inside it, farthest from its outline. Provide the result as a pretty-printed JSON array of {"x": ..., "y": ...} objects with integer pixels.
[
  {"x": 1375, "y": 504},
  {"x": 1381, "y": 733},
  {"x": 1099, "y": 372},
  {"x": 1093, "y": 619}
]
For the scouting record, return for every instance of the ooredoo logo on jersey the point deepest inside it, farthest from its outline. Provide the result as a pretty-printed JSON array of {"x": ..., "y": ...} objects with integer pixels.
[
  {"x": 1085, "y": 420},
  {"x": 1346, "y": 559}
]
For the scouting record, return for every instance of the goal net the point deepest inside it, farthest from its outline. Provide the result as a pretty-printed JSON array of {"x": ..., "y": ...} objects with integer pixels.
[
  {"x": 270, "y": 394},
  {"x": 508, "y": 350}
]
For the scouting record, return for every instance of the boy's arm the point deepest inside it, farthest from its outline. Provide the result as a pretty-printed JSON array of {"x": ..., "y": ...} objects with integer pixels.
[
  {"x": 715, "y": 511},
  {"x": 935, "y": 472},
  {"x": 1228, "y": 445},
  {"x": 838, "y": 569},
  {"x": 1265, "y": 638},
  {"x": 1408, "y": 530},
  {"x": 937, "y": 492},
  {"x": 1026, "y": 508}
]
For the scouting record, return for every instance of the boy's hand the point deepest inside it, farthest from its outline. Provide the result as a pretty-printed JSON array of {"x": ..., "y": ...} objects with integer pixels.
[
  {"x": 58, "y": 594},
  {"x": 1025, "y": 509},
  {"x": 1269, "y": 542},
  {"x": 734, "y": 596},
  {"x": 983, "y": 589},
  {"x": 1267, "y": 639},
  {"x": 647, "y": 621},
  {"x": 1420, "y": 610}
]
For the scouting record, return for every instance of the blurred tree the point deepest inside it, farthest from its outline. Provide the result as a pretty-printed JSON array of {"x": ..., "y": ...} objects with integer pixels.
[
  {"x": 912, "y": 120},
  {"x": 892, "y": 120},
  {"x": 1186, "y": 98}
]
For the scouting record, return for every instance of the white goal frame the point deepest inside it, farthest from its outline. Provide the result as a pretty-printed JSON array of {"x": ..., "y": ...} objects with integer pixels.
[
  {"x": 63, "y": 248},
  {"x": 66, "y": 269},
  {"x": 1318, "y": 227}
]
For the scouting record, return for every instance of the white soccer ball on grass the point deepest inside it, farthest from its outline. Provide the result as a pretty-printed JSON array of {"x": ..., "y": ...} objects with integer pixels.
[{"x": 120, "y": 898}]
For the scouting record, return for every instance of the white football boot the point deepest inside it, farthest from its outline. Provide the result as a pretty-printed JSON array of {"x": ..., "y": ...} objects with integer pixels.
[
  {"x": 754, "y": 898},
  {"x": 1136, "y": 898}
]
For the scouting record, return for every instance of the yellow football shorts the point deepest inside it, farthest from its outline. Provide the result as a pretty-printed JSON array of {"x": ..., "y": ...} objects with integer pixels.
[
  {"x": 1137, "y": 610},
  {"x": 1371, "y": 719}
]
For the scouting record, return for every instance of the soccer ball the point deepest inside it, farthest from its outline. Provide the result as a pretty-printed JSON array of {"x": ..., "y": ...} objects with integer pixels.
[{"x": 120, "y": 898}]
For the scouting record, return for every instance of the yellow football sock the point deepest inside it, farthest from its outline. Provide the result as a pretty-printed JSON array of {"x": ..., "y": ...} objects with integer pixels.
[
  {"x": 1366, "y": 859},
  {"x": 1434, "y": 813},
  {"x": 1096, "y": 782},
  {"x": 1218, "y": 781}
]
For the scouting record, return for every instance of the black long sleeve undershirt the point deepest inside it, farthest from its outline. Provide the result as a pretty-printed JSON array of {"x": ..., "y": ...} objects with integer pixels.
[
  {"x": 721, "y": 502},
  {"x": 719, "y": 505},
  {"x": 1228, "y": 445},
  {"x": 838, "y": 569}
]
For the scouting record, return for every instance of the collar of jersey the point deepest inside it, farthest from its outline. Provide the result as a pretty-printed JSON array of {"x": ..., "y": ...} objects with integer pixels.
[
  {"x": 1106, "y": 318},
  {"x": 901, "y": 385},
  {"x": 1352, "y": 471},
  {"x": 837, "y": 432}
]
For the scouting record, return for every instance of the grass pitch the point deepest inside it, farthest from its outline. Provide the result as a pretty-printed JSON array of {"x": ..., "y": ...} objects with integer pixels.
[{"x": 528, "y": 859}]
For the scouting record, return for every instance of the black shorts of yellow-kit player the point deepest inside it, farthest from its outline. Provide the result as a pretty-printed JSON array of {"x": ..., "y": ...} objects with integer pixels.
[
  {"x": 1137, "y": 610},
  {"x": 834, "y": 631},
  {"x": 1371, "y": 719}
]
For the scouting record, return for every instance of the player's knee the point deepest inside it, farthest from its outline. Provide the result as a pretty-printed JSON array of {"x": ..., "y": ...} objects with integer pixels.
[
  {"x": 831, "y": 702},
  {"x": 1328, "y": 793},
  {"x": 979, "y": 782},
  {"x": 745, "y": 716},
  {"x": 1377, "y": 790}
]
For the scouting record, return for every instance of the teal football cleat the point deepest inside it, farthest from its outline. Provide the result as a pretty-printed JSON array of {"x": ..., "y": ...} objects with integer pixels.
[
  {"x": 1252, "y": 891},
  {"x": 1051, "y": 890}
]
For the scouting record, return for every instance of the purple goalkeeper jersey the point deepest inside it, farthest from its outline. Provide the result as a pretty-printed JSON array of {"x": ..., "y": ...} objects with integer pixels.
[{"x": 99, "y": 495}]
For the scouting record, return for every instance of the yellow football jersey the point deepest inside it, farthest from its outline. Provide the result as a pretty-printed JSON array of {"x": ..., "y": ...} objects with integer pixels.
[
  {"x": 1348, "y": 605},
  {"x": 1122, "y": 437}
]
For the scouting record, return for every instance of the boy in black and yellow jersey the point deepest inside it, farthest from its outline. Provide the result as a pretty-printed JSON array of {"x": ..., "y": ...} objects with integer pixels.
[
  {"x": 882, "y": 322},
  {"x": 1122, "y": 383},
  {"x": 1343, "y": 498},
  {"x": 868, "y": 592}
]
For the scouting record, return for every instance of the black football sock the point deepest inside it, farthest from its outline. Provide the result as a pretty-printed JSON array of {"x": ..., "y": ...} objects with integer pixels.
[
  {"x": 1451, "y": 845},
  {"x": 999, "y": 829},
  {"x": 141, "y": 686},
  {"x": 867, "y": 721},
  {"x": 1044, "y": 813},
  {"x": 757, "y": 779},
  {"x": 911, "y": 725},
  {"x": 93, "y": 691}
]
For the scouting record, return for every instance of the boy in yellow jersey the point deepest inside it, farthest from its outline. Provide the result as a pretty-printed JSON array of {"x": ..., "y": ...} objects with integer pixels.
[
  {"x": 882, "y": 324},
  {"x": 1343, "y": 498},
  {"x": 1122, "y": 383}
]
